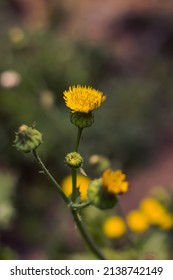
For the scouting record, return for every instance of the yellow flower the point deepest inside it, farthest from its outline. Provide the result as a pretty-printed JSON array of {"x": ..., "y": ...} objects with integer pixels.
[
  {"x": 114, "y": 227},
  {"x": 114, "y": 181},
  {"x": 137, "y": 221},
  {"x": 152, "y": 209},
  {"x": 82, "y": 184},
  {"x": 83, "y": 99},
  {"x": 166, "y": 221},
  {"x": 156, "y": 213}
]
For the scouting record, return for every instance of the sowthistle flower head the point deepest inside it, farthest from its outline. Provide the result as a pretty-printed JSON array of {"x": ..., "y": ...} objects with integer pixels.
[
  {"x": 114, "y": 181},
  {"x": 83, "y": 99},
  {"x": 103, "y": 192}
]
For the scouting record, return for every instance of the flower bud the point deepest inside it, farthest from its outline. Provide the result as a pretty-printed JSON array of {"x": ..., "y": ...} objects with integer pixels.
[
  {"x": 74, "y": 160},
  {"x": 82, "y": 120},
  {"x": 99, "y": 196},
  {"x": 27, "y": 139}
]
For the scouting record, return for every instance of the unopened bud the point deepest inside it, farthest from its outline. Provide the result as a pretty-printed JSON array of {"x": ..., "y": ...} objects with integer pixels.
[
  {"x": 74, "y": 160},
  {"x": 27, "y": 139}
]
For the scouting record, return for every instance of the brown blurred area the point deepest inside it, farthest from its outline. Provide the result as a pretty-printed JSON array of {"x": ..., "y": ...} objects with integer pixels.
[{"x": 135, "y": 30}]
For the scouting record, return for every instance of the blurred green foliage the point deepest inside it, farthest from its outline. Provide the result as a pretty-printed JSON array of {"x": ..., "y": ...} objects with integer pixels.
[
  {"x": 7, "y": 189},
  {"x": 7, "y": 210}
]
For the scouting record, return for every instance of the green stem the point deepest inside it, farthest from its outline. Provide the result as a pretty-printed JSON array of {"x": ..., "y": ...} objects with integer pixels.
[
  {"x": 75, "y": 214},
  {"x": 74, "y": 187},
  {"x": 81, "y": 205},
  {"x": 50, "y": 177},
  {"x": 73, "y": 171},
  {"x": 75, "y": 211},
  {"x": 78, "y": 138},
  {"x": 90, "y": 242}
]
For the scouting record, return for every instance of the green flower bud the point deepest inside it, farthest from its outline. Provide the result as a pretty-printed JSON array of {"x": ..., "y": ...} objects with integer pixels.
[
  {"x": 99, "y": 196},
  {"x": 82, "y": 120},
  {"x": 27, "y": 139},
  {"x": 74, "y": 160}
]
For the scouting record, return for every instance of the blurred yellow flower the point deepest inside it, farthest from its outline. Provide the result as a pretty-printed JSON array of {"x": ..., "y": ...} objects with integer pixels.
[
  {"x": 114, "y": 227},
  {"x": 166, "y": 221},
  {"x": 83, "y": 99},
  {"x": 16, "y": 34},
  {"x": 153, "y": 209},
  {"x": 82, "y": 184},
  {"x": 114, "y": 181},
  {"x": 137, "y": 221}
]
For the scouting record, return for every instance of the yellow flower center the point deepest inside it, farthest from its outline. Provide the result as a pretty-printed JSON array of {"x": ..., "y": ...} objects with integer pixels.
[
  {"x": 114, "y": 181},
  {"x": 83, "y": 99}
]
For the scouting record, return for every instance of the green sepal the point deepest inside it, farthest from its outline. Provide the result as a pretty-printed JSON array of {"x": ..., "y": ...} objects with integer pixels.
[
  {"x": 100, "y": 197},
  {"x": 82, "y": 120}
]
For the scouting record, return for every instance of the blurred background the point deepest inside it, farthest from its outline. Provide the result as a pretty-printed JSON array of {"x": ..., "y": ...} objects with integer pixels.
[{"x": 123, "y": 48}]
